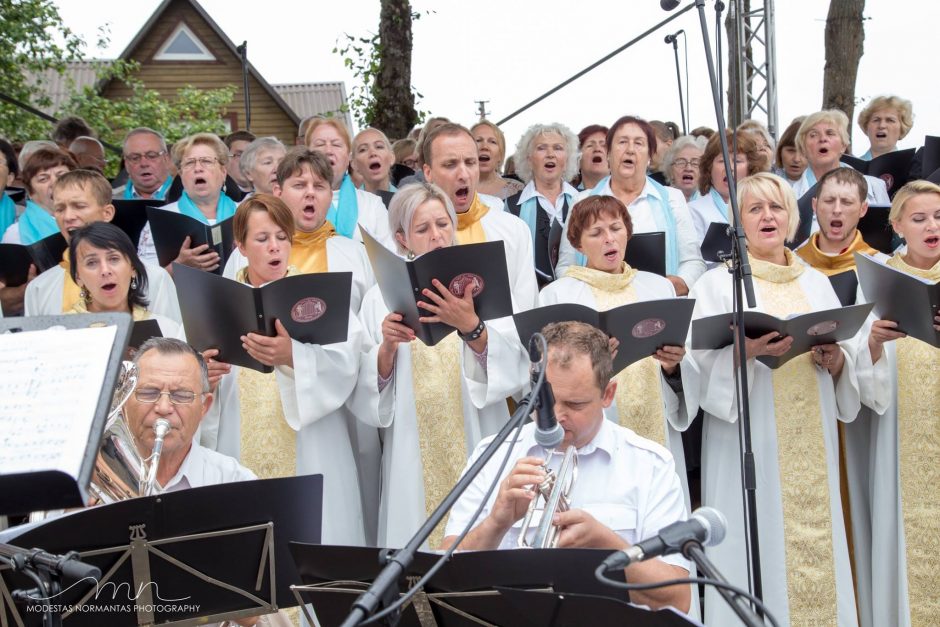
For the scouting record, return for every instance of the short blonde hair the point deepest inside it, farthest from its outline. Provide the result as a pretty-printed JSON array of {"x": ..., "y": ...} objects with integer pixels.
[
  {"x": 903, "y": 106},
  {"x": 500, "y": 139},
  {"x": 335, "y": 123},
  {"x": 914, "y": 188},
  {"x": 405, "y": 202},
  {"x": 186, "y": 144},
  {"x": 835, "y": 117},
  {"x": 767, "y": 186}
]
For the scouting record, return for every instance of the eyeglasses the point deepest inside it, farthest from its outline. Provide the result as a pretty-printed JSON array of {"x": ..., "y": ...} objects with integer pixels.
[
  {"x": 235, "y": 155},
  {"x": 681, "y": 163},
  {"x": 206, "y": 162},
  {"x": 151, "y": 155},
  {"x": 152, "y": 395}
]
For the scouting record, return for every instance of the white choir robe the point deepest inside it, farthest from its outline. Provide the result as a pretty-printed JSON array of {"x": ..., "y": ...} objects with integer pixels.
[
  {"x": 313, "y": 394},
  {"x": 373, "y": 217},
  {"x": 691, "y": 265},
  {"x": 346, "y": 255},
  {"x": 721, "y": 470},
  {"x": 520, "y": 260},
  {"x": 402, "y": 507},
  {"x": 679, "y": 411},
  {"x": 44, "y": 293},
  {"x": 343, "y": 255},
  {"x": 888, "y": 559}
]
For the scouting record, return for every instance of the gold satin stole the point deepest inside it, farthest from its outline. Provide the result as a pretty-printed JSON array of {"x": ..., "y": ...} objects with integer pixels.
[
  {"x": 71, "y": 292},
  {"x": 268, "y": 445},
  {"x": 639, "y": 393},
  {"x": 435, "y": 375},
  {"x": 834, "y": 264},
  {"x": 919, "y": 451},
  {"x": 801, "y": 455},
  {"x": 308, "y": 250},
  {"x": 469, "y": 228}
]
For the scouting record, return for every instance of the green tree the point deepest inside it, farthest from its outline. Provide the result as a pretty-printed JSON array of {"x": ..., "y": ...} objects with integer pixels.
[
  {"x": 189, "y": 111},
  {"x": 29, "y": 31}
]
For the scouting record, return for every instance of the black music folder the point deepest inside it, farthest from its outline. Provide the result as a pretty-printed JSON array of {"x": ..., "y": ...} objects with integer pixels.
[
  {"x": 845, "y": 285},
  {"x": 805, "y": 207},
  {"x": 909, "y": 300},
  {"x": 142, "y": 331},
  {"x": 314, "y": 308},
  {"x": 170, "y": 229},
  {"x": 480, "y": 267},
  {"x": 647, "y": 252},
  {"x": 15, "y": 259},
  {"x": 131, "y": 215},
  {"x": 16, "y": 194},
  {"x": 893, "y": 168},
  {"x": 641, "y": 328},
  {"x": 808, "y": 330},
  {"x": 876, "y": 230},
  {"x": 717, "y": 242}
]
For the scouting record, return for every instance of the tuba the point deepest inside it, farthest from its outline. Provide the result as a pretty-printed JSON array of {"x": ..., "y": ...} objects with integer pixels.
[
  {"x": 120, "y": 471},
  {"x": 552, "y": 495}
]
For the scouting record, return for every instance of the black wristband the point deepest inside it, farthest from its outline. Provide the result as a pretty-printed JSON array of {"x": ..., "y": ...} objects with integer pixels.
[{"x": 473, "y": 335}]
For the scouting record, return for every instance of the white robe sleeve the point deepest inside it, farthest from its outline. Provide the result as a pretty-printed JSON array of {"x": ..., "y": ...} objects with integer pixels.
[
  {"x": 374, "y": 218},
  {"x": 322, "y": 378},
  {"x": 161, "y": 292},
  {"x": 366, "y": 402},
  {"x": 691, "y": 264},
  {"x": 506, "y": 372}
]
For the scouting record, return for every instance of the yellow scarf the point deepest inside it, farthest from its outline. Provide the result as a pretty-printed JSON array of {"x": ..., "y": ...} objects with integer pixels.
[
  {"x": 439, "y": 412},
  {"x": 639, "y": 396},
  {"x": 137, "y": 313},
  {"x": 801, "y": 455},
  {"x": 268, "y": 445},
  {"x": 834, "y": 264},
  {"x": 469, "y": 228},
  {"x": 308, "y": 250},
  {"x": 919, "y": 447},
  {"x": 71, "y": 292}
]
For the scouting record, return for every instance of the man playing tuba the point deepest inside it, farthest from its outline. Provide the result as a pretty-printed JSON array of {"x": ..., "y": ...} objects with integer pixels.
[{"x": 627, "y": 488}]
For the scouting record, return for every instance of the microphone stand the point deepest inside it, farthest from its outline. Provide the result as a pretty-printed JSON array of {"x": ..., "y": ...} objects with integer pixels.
[
  {"x": 694, "y": 551},
  {"x": 603, "y": 59},
  {"x": 675, "y": 49},
  {"x": 742, "y": 279},
  {"x": 47, "y": 571},
  {"x": 384, "y": 589}
]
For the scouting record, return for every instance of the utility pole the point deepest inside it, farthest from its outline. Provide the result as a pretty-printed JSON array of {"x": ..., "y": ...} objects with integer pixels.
[{"x": 481, "y": 108}]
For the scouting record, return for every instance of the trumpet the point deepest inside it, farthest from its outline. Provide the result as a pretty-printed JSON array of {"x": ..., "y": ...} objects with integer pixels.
[{"x": 555, "y": 492}]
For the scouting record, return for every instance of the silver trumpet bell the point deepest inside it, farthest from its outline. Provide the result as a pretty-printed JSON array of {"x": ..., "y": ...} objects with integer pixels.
[
  {"x": 120, "y": 471},
  {"x": 553, "y": 495}
]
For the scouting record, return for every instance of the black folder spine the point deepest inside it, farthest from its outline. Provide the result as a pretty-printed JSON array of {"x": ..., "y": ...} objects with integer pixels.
[{"x": 260, "y": 316}]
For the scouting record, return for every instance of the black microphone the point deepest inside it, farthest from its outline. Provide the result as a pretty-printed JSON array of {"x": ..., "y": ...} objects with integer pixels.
[
  {"x": 672, "y": 38},
  {"x": 707, "y": 526},
  {"x": 668, "y": 5},
  {"x": 548, "y": 433},
  {"x": 68, "y": 566}
]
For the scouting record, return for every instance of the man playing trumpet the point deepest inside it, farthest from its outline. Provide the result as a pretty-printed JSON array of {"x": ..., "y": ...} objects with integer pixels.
[{"x": 626, "y": 490}]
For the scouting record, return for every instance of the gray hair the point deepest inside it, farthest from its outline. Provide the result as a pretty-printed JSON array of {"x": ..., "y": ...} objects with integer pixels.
[
  {"x": 32, "y": 146},
  {"x": 686, "y": 141},
  {"x": 250, "y": 155},
  {"x": 524, "y": 147},
  {"x": 173, "y": 346},
  {"x": 406, "y": 201},
  {"x": 143, "y": 130}
]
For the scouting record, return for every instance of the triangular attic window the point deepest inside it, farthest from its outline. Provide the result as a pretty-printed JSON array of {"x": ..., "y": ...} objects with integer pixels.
[{"x": 183, "y": 45}]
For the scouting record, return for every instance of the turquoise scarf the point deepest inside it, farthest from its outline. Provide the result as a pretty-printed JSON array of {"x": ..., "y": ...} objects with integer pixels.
[
  {"x": 866, "y": 156},
  {"x": 130, "y": 193},
  {"x": 391, "y": 188},
  {"x": 720, "y": 205},
  {"x": 529, "y": 211},
  {"x": 35, "y": 224},
  {"x": 223, "y": 210},
  {"x": 665, "y": 222},
  {"x": 7, "y": 212},
  {"x": 344, "y": 213}
]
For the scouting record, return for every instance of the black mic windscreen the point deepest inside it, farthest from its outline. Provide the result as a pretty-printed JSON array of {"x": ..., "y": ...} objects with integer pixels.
[{"x": 668, "y": 5}]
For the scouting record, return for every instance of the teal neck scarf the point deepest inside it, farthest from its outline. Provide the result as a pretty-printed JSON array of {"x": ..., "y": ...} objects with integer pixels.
[
  {"x": 36, "y": 224},
  {"x": 224, "y": 209},
  {"x": 344, "y": 213}
]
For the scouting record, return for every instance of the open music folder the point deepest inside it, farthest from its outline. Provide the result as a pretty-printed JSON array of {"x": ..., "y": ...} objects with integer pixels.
[{"x": 314, "y": 308}]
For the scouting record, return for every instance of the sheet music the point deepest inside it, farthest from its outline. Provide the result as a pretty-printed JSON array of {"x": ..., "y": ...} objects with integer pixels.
[{"x": 50, "y": 382}]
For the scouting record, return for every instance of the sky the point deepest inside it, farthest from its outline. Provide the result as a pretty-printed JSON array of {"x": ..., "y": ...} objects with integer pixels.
[{"x": 508, "y": 53}]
